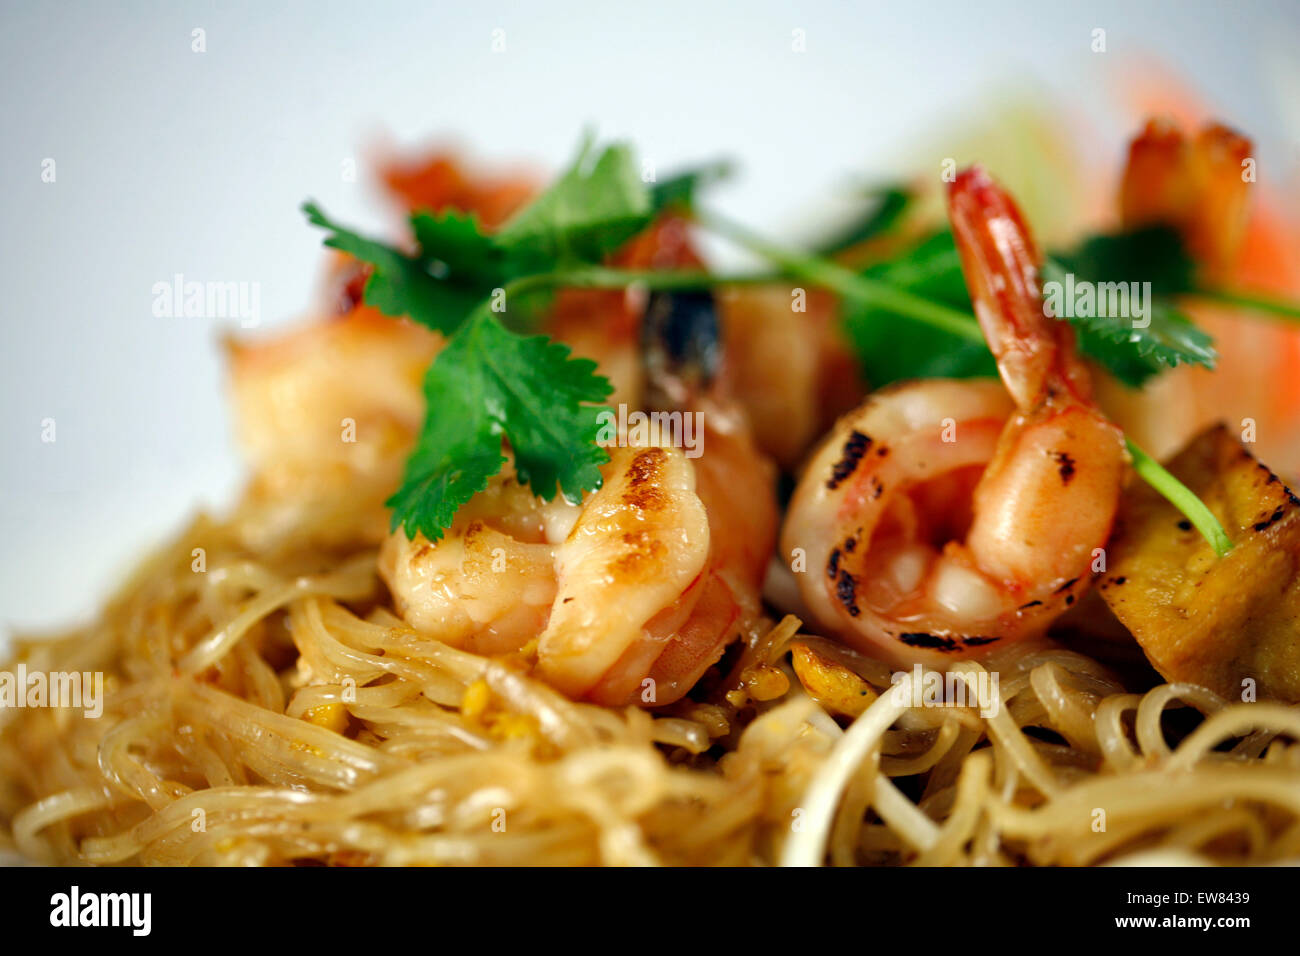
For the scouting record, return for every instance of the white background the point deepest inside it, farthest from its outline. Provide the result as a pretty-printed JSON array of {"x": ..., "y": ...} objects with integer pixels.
[{"x": 170, "y": 161}]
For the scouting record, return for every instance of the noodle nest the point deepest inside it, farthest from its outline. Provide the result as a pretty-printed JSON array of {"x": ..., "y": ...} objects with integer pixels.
[{"x": 271, "y": 708}]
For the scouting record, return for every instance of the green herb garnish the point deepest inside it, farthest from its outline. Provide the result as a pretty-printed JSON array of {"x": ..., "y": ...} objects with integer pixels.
[
  {"x": 679, "y": 191},
  {"x": 402, "y": 284},
  {"x": 1155, "y": 260},
  {"x": 1182, "y": 498},
  {"x": 490, "y": 383},
  {"x": 591, "y": 210},
  {"x": 907, "y": 317}
]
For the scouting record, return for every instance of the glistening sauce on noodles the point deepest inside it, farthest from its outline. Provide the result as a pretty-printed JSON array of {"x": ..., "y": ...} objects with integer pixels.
[{"x": 453, "y": 758}]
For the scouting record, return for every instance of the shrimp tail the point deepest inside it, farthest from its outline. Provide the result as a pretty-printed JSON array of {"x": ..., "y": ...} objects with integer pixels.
[
  {"x": 1196, "y": 186},
  {"x": 681, "y": 344},
  {"x": 1000, "y": 261},
  {"x": 1059, "y": 453}
]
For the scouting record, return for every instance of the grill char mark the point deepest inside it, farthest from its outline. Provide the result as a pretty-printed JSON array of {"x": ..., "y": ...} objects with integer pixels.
[
  {"x": 1065, "y": 466},
  {"x": 936, "y": 642},
  {"x": 846, "y": 591},
  {"x": 855, "y": 446}
]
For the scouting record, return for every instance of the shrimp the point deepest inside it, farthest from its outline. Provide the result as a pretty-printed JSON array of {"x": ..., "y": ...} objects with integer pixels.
[
  {"x": 942, "y": 517},
  {"x": 631, "y": 596},
  {"x": 605, "y": 324},
  {"x": 791, "y": 370},
  {"x": 294, "y": 392},
  {"x": 326, "y": 414},
  {"x": 438, "y": 181},
  {"x": 487, "y": 586},
  {"x": 1197, "y": 185},
  {"x": 646, "y": 580}
]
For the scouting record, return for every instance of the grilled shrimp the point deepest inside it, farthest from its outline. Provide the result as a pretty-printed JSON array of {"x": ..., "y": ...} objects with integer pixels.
[
  {"x": 662, "y": 570},
  {"x": 792, "y": 371},
  {"x": 943, "y": 517},
  {"x": 631, "y": 595},
  {"x": 646, "y": 580}
]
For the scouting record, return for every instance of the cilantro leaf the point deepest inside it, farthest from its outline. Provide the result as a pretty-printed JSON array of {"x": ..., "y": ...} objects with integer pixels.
[
  {"x": 1118, "y": 357},
  {"x": 1156, "y": 255},
  {"x": 889, "y": 350},
  {"x": 458, "y": 249},
  {"x": 441, "y": 479},
  {"x": 591, "y": 210},
  {"x": 490, "y": 383},
  {"x": 588, "y": 212},
  {"x": 402, "y": 284},
  {"x": 679, "y": 191},
  {"x": 892, "y": 349},
  {"x": 931, "y": 268},
  {"x": 1131, "y": 353}
]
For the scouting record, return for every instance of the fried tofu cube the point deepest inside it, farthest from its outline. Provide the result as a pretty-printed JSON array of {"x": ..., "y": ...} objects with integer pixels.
[{"x": 1218, "y": 622}]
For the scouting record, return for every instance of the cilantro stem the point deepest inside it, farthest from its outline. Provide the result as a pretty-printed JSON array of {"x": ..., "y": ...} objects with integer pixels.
[
  {"x": 1181, "y": 497},
  {"x": 1256, "y": 303},
  {"x": 848, "y": 283},
  {"x": 601, "y": 277}
]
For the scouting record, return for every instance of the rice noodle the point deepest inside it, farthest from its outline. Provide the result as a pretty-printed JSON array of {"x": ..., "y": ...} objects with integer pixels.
[{"x": 277, "y": 710}]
